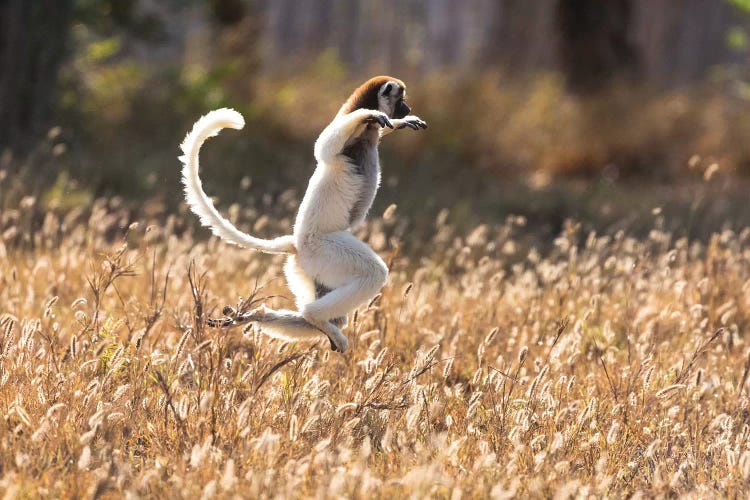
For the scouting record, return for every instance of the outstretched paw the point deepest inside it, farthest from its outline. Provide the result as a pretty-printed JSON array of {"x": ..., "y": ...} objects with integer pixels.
[
  {"x": 413, "y": 122},
  {"x": 380, "y": 118}
]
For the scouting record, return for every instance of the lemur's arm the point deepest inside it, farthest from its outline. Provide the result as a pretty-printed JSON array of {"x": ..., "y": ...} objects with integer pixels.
[
  {"x": 411, "y": 121},
  {"x": 335, "y": 136}
]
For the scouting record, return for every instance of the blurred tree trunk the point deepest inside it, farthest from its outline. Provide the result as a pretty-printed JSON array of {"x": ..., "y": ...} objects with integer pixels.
[
  {"x": 595, "y": 46},
  {"x": 239, "y": 46},
  {"x": 228, "y": 12},
  {"x": 33, "y": 35},
  {"x": 347, "y": 36},
  {"x": 518, "y": 35}
]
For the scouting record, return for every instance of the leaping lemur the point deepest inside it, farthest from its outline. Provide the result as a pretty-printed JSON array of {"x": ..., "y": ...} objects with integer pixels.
[{"x": 329, "y": 270}]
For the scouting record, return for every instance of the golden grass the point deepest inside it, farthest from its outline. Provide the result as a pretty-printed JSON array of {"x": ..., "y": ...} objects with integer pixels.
[{"x": 606, "y": 366}]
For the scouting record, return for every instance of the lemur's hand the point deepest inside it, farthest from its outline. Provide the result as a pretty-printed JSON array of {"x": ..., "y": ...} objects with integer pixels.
[
  {"x": 380, "y": 118},
  {"x": 413, "y": 122}
]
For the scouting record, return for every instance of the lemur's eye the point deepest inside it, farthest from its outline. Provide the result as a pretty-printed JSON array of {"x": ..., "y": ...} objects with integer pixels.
[{"x": 387, "y": 89}]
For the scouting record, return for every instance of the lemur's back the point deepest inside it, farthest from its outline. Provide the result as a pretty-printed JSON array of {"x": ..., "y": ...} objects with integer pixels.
[{"x": 341, "y": 192}]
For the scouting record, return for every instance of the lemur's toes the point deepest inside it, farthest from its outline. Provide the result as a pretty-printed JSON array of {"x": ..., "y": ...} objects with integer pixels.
[
  {"x": 229, "y": 311},
  {"x": 344, "y": 345},
  {"x": 219, "y": 322},
  {"x": 338, "y": 348}
]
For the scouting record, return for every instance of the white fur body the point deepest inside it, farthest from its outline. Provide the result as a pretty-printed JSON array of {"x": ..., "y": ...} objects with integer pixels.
[{"x": 330, "y": 271}]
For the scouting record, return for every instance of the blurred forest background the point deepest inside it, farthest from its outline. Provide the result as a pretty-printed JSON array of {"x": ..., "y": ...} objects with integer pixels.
[{"x": 610, "y": 112}]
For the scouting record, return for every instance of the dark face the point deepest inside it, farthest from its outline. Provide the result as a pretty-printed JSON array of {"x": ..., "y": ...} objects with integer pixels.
[
  {"x": 402, "y": 109},
  {"x": 392, "y": 99}
]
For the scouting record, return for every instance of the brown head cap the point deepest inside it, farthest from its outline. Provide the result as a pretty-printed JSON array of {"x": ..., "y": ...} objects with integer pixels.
[{"x": 366, "y": 95}]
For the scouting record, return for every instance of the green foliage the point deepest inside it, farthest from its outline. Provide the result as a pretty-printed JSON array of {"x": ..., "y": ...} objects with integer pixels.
[
  {"x": 741, "y": 4},
  {"x": 66, "y": 194},
  {"x": 203, "y": 88},
  {"x": 328, "y": 64},
  {"x": 125, "y": 114},
  {"x": 737, "y": 39},
  {"x": 106, "y": 16},
  {"x": 101, "y": 50}
]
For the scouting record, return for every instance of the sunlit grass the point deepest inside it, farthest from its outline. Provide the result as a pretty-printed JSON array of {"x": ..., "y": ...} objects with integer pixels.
[{"x": 607, "y": 365}]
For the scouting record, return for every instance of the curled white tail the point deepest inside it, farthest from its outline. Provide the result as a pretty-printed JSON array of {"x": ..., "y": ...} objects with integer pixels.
[{"x": 209, "y": 126}]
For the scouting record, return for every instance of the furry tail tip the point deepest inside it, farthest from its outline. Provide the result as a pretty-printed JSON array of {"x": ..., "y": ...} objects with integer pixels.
[
  {"x": 227, "y": 117},
  {"x": 219, "y": 119}
]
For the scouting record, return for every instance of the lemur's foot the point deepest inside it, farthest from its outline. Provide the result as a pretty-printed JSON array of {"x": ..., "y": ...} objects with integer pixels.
[
  {"x": 338, "y": 341},
  {"x": 341, "y": 322},
  {"x": 339, "y": 345},
  {"x": 233, "y": 317},
  {"x": 219, "y": 322},
  {"x": 380, "y": 118}
]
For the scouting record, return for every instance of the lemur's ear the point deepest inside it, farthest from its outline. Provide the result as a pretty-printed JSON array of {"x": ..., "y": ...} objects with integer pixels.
[{"x": 387, "y": 88}]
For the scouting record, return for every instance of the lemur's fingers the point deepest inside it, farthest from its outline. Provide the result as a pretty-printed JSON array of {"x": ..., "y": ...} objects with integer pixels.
[
  {"x": 381, "y": 119},
  {"x": 229, "y": 311},
  {"x": 420, "y": 123},
  {"x": 413, "y": 123}
]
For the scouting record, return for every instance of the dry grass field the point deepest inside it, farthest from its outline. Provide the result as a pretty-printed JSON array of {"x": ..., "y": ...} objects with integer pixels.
[{"x": 601, "y": 366}]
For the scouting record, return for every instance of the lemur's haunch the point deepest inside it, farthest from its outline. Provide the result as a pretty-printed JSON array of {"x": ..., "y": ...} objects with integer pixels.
[{"x": 329, "y": 270}]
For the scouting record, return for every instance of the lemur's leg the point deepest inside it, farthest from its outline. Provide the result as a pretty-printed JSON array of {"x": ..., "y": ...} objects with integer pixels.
[
  {"x": 342, "y": 300},
  {"x": 291, "y": 325},
  {"x": 334, "y": 137},
  {"x": 301, "y": 285},
  {"x": 347, "y": 266},
  {"x": 285, "y": 324},
  {"x": 306, "y": 290},
  {"x": 322, "y": 290},
  {"x": 411, "y": 121}
]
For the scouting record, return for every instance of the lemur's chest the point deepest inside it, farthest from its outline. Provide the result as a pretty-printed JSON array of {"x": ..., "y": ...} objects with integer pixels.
[
  {"x": 362, "y": 160},
  {"x": 363, "y": 169}
]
